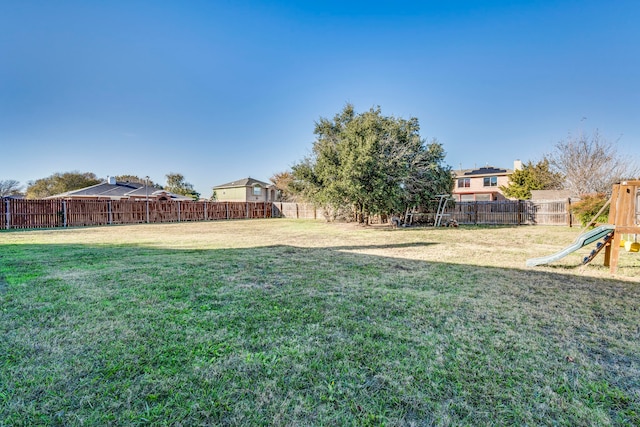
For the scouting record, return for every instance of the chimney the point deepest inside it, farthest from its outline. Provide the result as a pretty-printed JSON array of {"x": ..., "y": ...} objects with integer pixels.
[
  {"x": 517, "y": 165},
  {"x": 111, "y": 180}
]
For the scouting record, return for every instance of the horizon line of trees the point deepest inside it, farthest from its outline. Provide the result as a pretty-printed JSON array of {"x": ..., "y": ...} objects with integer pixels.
[
  {"x": 368, "y": 163},
  {"x": 62, "y": 182}
]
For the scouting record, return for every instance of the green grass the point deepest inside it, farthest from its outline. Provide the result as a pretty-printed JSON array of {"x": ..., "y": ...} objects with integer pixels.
[{"x": 280, "y": 322}]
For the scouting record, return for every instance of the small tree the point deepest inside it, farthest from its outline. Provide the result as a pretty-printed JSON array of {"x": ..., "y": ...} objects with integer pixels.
[
  {"x": 591, "y": 164},
  {"x": 138, "y": 180},
  {"x": 10, "y": 187},
  {"x": 283, "y": 182},
  {"x": 177, "y": 185},
  {"x": 532, "y": 177},
  {"x": 589, "y": 206}
]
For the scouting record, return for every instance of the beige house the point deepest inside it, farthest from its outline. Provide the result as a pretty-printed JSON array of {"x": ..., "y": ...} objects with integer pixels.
[
  {"x": 246, "y": 190},
  {"x": 482, "y": 184}
]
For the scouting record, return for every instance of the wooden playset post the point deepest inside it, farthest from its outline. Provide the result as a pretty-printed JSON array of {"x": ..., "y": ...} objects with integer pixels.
[{"x": 623, "y": 213}]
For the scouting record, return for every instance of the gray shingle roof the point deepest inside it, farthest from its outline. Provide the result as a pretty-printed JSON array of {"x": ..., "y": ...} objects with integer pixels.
[
  {"x": 245, "y": 182},
  {"x": 118, "y": 190},
  {"x": 489, "y": 170}
]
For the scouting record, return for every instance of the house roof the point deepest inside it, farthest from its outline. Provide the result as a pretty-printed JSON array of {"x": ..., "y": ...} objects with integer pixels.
[
  {"x": 118, "y": 190},
  {"x": 486, "y": 170},
  {"x": 245, "y": 182}
]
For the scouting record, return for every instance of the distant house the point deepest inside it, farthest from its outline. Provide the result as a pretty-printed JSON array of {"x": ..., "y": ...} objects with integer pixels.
[
  {"x": 119, "y": 190},
  {"x": 246, "y": 190},
  {"x": 482, "y": 184}
]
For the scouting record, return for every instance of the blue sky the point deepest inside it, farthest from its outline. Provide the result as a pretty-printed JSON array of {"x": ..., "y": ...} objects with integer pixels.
[{"x": 222, "y": 90}]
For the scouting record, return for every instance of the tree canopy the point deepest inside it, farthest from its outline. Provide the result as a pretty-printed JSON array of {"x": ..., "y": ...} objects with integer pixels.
[
  {"x": 60, "y": 183},
  {"x": 373, "y": 163},
  {"x": 177, "y": 185},
  {"x": 138, "y": 180},
  {"x": 537, "y": 176},
  {"x": 591, "y": 163},
  {"x": 283, "y": 182},
  {"x": 10, "y": 187}
]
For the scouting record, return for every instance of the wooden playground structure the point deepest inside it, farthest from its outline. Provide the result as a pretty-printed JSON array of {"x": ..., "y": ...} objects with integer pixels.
[
  {"x": 624, "y": 214},
  {"x": 624, "y": 219}
]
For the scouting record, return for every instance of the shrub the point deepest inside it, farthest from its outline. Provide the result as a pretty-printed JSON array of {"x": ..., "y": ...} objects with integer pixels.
[{"x": 589, "y": 206}]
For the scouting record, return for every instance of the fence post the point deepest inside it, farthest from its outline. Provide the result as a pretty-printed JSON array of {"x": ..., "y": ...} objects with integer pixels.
[
  {"x": 475, "y": 213},
  {"x": 109, "y": 212},
  {"x": 519, "y": 212},
  {"x": 205, "y": 211},
  {"x": 227, "y": 207},
  {"x": 64, "y": 213},
  {"x": 247, "y": 210},
  {"x": 7, "y": 213},
  {"x": 568, "y": 209},
  {"x": 179, "y": 203}
]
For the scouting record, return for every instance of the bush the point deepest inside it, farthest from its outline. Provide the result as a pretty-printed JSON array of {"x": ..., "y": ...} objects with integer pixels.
[{"x": 589, "y": 206}]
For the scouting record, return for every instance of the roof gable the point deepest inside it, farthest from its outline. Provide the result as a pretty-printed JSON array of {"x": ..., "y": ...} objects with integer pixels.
[{"x": 245, "y": 182}]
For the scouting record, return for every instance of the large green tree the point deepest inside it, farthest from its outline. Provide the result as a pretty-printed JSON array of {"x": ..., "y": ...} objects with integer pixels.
[
  {"x": 60, "y": 183},
  {"x": 537, "y": 176},
  {"x": 373, "y": 163},
  {"x": 177, "y": 185}
]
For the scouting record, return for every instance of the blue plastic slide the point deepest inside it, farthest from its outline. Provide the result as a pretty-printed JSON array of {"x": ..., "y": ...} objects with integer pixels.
[{"x": 582, "y": 240}]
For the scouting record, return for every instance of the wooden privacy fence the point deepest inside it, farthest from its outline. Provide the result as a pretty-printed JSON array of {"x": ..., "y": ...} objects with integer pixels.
[
  {"x": 23, "y": 213},
  {"x": 511, "y": 212}
]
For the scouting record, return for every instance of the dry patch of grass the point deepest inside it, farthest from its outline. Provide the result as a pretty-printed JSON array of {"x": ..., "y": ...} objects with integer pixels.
[{"x": 304, "y": 323}]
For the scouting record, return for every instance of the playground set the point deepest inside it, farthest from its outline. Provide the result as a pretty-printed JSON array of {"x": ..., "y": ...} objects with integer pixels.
[
  {"x": 624, "y": 221},
  {"x": 412, "y": 214}
]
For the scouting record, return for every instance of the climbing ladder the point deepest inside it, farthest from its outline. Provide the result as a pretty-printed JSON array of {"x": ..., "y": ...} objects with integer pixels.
[
  {"x": 599, "y": 246},
  {"x": 442, "y": 204}
]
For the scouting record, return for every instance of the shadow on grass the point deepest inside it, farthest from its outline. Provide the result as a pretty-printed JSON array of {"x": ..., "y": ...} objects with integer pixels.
[
  {"x": 385, "y": 246},
  {"x": 287, "y": 335}
]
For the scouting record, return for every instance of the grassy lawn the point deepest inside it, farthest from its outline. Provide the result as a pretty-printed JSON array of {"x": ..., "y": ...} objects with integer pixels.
[{"x": 283, "y": 322}]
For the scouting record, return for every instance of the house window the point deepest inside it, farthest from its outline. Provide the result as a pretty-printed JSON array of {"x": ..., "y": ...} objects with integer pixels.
[
  {"x": 491, "y": 181},
  {"x": 257, "y": 191},
  {"x": 464, "y": 182}
]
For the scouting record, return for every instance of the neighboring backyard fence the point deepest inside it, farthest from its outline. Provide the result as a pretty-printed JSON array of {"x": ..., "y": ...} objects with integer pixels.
[
  {"x": 511, "y": 212},
  {"x": 23, "y": 213}
]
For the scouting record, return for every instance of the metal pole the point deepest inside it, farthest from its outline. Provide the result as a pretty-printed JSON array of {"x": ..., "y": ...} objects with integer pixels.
[
  {"x": 146, "y": 194},
  {"x": 7, "y": 213}
]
